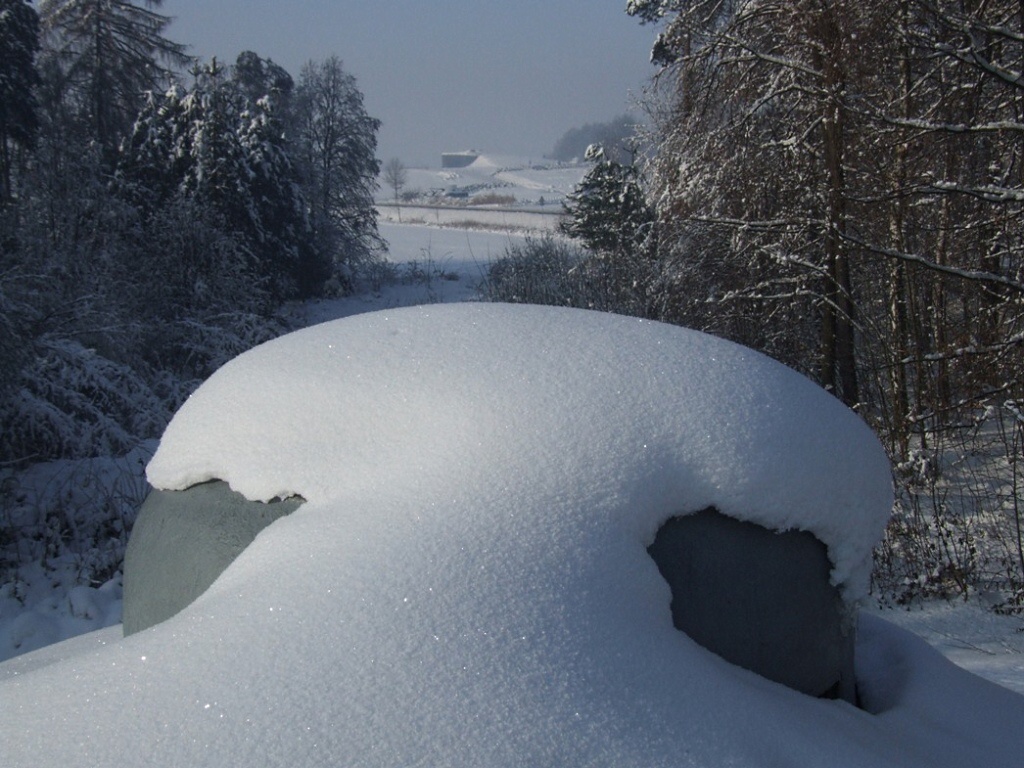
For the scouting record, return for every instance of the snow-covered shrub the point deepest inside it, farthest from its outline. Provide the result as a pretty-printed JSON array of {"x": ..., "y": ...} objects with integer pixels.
[
  {"x": 193, "y": 348},
  {"x": 492, "y": 198},
  {"x": 551, "y": 271},
  {"x": 958, "y": 524},
  {"x": 13, "y": 347},
  {"x": 373, "y": 277},
  {"x": 427, "y": 270},
  {"x": 64, "y": 526},
  {"x": 73, "y": 510},
  {"x": 539, "y": 271},
  {"x": 72, "y": 402}
]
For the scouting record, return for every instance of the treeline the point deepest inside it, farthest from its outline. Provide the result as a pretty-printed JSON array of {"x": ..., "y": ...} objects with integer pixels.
[
  {"x": 616, "y": 137},
  {"x": 155, "y": 214},
  {"x": 840, "y": 184}
]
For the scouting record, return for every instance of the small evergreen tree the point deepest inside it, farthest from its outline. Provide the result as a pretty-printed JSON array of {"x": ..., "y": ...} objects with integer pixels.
[
  {"x": 607, "y": 211},
  {"x": 608, "y": 214}
]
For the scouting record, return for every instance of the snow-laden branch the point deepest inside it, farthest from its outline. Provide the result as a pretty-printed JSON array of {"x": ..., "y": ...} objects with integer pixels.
[
  {"x": 973, "y": 275},
  {"x": 934, "y": 126},
  {"x": 988, "y": 192},
  {"x": 768, "y": 58},
  {"x": 970, "y": 351},
  {"x": 973, "y": 56},
  {"x": 756, "y": 224},
  {"x": 972, "y": 29}
]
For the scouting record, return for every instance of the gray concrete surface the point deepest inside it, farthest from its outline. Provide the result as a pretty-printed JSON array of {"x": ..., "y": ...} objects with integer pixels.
[
  {"x": 759, "y": 599},
  {"x": 182, "y": 541}
]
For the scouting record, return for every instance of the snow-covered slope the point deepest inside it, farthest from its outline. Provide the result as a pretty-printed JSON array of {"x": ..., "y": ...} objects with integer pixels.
[
  {"x": 526, "y": 181},
  {"x": 467, "y": 583}
]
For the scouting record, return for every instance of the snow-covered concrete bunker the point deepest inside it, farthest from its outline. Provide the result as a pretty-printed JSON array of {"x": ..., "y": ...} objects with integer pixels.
[{"x": 517, "y": 435}]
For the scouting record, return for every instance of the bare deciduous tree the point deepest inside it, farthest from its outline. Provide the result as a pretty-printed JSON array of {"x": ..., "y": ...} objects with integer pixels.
[
  {"x": 395, "y": 176},
  {"x": 338, "y": 144},
  {"x": 840, "y": 185}
]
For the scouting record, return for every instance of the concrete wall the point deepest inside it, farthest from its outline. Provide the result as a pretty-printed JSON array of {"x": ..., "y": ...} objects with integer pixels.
[
  {"x": 759, "y": 599},
  {"x": 182, "y": 541}
]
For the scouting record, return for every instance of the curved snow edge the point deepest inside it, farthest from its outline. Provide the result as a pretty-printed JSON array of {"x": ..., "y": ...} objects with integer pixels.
[{"x": 592, "y": 415}]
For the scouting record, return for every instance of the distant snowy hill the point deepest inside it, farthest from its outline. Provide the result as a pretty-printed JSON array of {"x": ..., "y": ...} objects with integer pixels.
[{"x": 528, "y": 183}]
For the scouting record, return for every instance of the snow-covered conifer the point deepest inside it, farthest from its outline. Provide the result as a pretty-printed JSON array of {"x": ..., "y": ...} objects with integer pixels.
[
  {"x": 608, "y": 212},
  {"x": 111, "y": 52}
]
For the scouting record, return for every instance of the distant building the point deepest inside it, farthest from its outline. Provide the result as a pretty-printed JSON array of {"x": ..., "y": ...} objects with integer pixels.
[{"x": 458, "y": 159}]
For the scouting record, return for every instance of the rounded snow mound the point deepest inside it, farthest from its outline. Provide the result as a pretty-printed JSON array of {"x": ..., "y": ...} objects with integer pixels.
[
  {"x": 468, "y": 581},
  {"x": 567, "y": 420}
]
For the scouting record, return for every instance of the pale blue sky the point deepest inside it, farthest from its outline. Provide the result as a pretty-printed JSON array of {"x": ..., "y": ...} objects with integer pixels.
[{"x": 446, "y": 75}]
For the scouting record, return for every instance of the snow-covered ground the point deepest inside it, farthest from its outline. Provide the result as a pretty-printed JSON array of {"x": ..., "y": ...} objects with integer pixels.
[
  {"x": 495, "y": 218},
  {"x": 433, "y": 265},
  {"x": 204, "y": 695},
  {"x": 969, "y": 635}
]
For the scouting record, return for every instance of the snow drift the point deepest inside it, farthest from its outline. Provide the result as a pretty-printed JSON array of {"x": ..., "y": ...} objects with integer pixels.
[
  {"x": 467, "y": 582},
  {"x": 616, "y": 418}
]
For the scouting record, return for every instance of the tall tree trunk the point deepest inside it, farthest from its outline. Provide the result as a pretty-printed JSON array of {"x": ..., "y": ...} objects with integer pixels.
[
  {"x": 897, "y": 289},
  {"x": 838, "y": 364}
]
